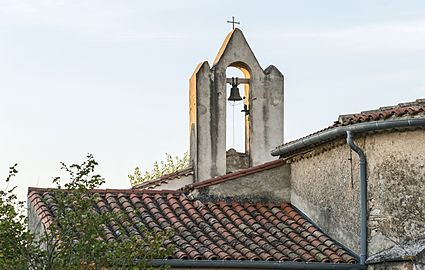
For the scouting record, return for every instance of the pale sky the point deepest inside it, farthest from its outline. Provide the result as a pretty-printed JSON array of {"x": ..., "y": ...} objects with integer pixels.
[{"x": 111, "y": 77}]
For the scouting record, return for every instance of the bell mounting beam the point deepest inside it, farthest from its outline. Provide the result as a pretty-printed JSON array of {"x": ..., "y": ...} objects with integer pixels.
[{"x": 240, "y": 80}]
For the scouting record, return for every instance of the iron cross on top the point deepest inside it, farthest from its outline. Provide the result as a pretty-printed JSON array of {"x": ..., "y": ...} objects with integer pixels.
[{"x": 233, "y": 22}]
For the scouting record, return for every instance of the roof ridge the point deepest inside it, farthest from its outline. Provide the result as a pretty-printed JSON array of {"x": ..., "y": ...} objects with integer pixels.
[
  {"x": 234, "y": 175},
  {"x": 170, "y": 176},
  {"x": 413, "y": 110},
  {"x": 417, "y": 103},
  {"x": 109, "y": 190}
]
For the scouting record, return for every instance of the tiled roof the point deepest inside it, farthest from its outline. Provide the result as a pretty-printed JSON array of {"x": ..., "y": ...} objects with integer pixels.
[
  {"x": 214, "y": 230},
  {"x": 235, "y": 175},
  {"x": 164, "y": 179},
  {"x": 403, "y": 110}
]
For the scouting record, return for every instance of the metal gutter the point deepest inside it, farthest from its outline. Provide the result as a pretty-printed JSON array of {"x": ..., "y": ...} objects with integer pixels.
[
  {"x": 233, "y": 264},
  {"x": 337, "y": 132},
  {"x": 363, "y": 197}
]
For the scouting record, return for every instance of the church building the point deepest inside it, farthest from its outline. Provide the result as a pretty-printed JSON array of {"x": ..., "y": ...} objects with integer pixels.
[{"x": 350, "y": 196}]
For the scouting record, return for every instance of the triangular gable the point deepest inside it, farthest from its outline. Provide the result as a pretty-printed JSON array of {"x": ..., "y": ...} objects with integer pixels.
[{"x": 242, "y": 48}]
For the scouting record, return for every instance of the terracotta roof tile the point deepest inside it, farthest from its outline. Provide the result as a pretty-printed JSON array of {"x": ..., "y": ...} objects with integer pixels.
[
  {"x": 407, "y": 109},
  {"x": 403, "y": 110},
  {"x": 221, "y": 230},
  {"x": 212, "y": 230}
]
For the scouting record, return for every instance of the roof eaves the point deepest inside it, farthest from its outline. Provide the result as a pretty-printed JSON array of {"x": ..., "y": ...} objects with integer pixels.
[
  {"x": 233, "y": 264},
  {"x": 102, "y": 191},
  {"x": 402, "y": 111},
  {"x": 328, "y": 135},
  {"x": 198, "y": 214}
]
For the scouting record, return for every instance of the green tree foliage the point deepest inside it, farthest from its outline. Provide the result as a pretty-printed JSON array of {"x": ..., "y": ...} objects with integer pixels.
[
  {"x": 170, "y": 165},
  {"x": 75, "y": 238},
  {"x": 16, "y": 249}
]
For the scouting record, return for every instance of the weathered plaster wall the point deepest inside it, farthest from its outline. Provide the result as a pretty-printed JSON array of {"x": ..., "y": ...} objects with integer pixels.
[
  {"x": 34, "y": 222},
  {"x": 208, "y": 142},
  {"x": 420, "y": 259},
  {"x": 321, "y": 188},
  {"x": 406, "y": 265},
  {"x": 397, "y": 188},
  {"x": 236, "y": 161},
  {"x": 176, "y": 183},
  {"x": 269, "y": 185}
]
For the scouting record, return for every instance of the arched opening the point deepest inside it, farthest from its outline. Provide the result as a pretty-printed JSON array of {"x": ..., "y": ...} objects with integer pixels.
[{"x": 237, "y": 117}]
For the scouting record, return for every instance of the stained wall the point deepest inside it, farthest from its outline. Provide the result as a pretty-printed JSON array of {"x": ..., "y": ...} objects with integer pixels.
[{"x": 325, "y": 186}]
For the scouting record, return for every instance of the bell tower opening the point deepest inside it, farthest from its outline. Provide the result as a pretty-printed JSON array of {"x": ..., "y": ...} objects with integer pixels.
[
  {"x": 235, "y": 120},
  {"x": 237, "y": 117}
]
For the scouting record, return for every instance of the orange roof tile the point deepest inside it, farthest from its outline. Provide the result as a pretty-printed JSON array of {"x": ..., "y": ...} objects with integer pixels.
[
  {"x": 210, "y": 230},
  {"x": 403, "y": 110}
]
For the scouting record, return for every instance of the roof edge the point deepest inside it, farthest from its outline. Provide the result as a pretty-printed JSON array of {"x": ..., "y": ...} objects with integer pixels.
[
  {"x": 331, "y": 134},
  {"x": 169, "y": 176},
  {"x": 223, "y": 46},
  {"x": 108, "y": 190},
  {"x": 235, "y": 175},
  {"x": 350, "y": 252},
  {"x": 232, "y": 264}
]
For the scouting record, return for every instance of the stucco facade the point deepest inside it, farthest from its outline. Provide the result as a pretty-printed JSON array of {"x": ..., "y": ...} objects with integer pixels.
[
  {"x": 405, "y": 265},
  {"x": 254, "y": 187},
  {"x": 325, "y": 186},
  {"x": 175, "y": 183},
  {"x": 34, "y": 221}
]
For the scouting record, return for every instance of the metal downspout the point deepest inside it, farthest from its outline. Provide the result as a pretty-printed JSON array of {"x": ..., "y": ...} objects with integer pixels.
[{"x": 363, "y": 198}]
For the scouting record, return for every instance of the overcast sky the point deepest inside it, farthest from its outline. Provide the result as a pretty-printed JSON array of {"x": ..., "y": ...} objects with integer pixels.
[{"x": 111, "y": 77}]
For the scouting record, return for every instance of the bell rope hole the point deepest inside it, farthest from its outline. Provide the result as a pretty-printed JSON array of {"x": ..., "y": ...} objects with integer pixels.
[{"x": 236, "y": 121}]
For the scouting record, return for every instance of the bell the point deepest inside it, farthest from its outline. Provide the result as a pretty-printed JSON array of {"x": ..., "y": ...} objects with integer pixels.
[
  {"x": 234, "y": 91},
  {"x": 234, "y": 94}
]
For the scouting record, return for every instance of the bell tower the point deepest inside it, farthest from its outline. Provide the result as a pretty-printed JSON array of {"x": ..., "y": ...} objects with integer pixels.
[{"x": 263, "y": 109}]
